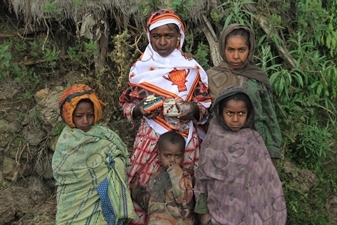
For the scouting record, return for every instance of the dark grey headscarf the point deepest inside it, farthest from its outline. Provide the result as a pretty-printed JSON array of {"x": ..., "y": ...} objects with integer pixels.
[
  {"x": 230, "y": 91},
  {"x": 227, "y": 31}
]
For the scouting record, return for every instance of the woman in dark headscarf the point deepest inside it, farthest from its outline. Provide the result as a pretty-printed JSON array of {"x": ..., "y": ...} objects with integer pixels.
[
  {"x": 237, "y": 46},
  {"x": 236, "y": 182}
]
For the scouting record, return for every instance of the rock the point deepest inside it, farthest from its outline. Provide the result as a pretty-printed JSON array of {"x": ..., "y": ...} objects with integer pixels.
[
  {"x": 33, "y": 135},
  {"x": 53, "y": 142},
  {"x": 10, "y": 127},
  {"x": 1, "y": 177},
  {"x": 10, "y": 169},
  {"x": 306, "y": 179},
  {"x": 7, "y": 129},
  {"x": 41, "y": 94},
  {"x": 289, "y": 168},
  {"x": 34, "y": 184},
  {"x": 16, "y": 201},
  {"x": 331, "y": 207},
  {"x": 302, "y": 178},
  {"x": 9, "y": 90},
  {"x": 43, "y": 166},
  {"x": 47, "y": 104}
]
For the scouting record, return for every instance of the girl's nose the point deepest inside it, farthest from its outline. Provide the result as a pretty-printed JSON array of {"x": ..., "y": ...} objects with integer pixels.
[
  {"x": 235, "y": 117},
  {"x": 236, "y": 55}
]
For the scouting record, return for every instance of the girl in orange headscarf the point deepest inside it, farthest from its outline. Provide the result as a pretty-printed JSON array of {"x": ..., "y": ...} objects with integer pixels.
[
  {"x": 89, "y": 164},
  {"x": 162, "y": 71}
]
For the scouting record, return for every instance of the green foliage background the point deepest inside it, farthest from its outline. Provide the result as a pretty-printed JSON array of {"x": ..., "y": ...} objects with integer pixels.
[{"x": 305, "y": 93}]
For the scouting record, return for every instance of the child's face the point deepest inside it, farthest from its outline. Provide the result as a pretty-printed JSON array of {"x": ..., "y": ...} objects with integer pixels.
[
  {"x": 164, "y": 39},
  {"x": 83, "y": 116},
  {"x": 235, "y": 114},
  {"x": 171, "y": 154},
  {"x": 236, "y": 51}
]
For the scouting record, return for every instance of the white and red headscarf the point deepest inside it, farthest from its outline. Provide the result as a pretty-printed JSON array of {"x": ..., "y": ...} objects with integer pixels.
[{"x": 163, "y": 17}]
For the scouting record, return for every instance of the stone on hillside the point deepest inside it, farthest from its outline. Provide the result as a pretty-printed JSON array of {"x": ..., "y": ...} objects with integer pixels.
[
  {"x": 9, "y": 90},
  {"x": 16, "y": 202},
  {"x": 1, "y": 177},
  {"x": 7, "y": 129},
  {"x": 43, "y": 166},
  {"x": 12, "y": 169},
  {"x": 302, "y": 178},
  {"x": 53, "y": 142},
  {"x": 33, "y": 135},
  {"x": 47, "y": 104},
  {"x": 331, "y": 207},
  {"x": 35, "y": 184},
  {"x": 10, "y": 127}
]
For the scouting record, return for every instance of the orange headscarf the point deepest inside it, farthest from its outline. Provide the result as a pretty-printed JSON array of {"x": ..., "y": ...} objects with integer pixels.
[{"x": 70, "y": 98}]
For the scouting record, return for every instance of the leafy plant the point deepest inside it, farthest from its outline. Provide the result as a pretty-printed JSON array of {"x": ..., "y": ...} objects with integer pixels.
[
  {"x": 5, "y": 57},
  {"x": 236, "y": 12},
  {"x": 202, "y": 55},
  {"x": 314, "y": 144},
  {"x": 57, "y": 130},
  {"x": 74, "y": 53},
  {"x": 51, "y": 9},
  {"x": 78, "y": 2},
  {"x": 89, "y": 48},
  {"x": 181, "y": 7},
  {"x": 51, "y": 56}
]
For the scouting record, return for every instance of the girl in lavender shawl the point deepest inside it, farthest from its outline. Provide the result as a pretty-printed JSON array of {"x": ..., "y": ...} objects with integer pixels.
[{"x": 236, "y": 181}]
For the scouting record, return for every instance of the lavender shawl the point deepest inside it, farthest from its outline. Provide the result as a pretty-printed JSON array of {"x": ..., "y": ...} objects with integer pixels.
[{"x": 238, "y": 177}]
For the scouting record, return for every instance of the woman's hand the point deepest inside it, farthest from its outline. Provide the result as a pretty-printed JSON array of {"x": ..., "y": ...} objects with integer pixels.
[
  {"x": 188, "y": 111},
  {"x": 139, "y": 111}
]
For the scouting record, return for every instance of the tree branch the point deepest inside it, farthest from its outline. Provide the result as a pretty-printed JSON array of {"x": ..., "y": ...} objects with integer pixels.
[
  {"x": 212, "y": 41},
  {"x": 284, "y": 52}
]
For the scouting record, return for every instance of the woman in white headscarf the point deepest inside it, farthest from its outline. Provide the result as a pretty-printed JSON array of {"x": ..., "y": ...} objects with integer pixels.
[{"x": 164, "y": 72}]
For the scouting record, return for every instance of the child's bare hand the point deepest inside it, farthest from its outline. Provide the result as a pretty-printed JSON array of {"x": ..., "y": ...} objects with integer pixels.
[{"x": 187, "y": 55}]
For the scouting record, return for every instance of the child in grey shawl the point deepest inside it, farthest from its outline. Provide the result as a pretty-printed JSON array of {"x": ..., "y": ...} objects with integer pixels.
[{"x": 236, "y": 181}]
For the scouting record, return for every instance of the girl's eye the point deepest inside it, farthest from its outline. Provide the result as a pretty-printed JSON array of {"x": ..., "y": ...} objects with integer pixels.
[{"x": 178, "y": 156}]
